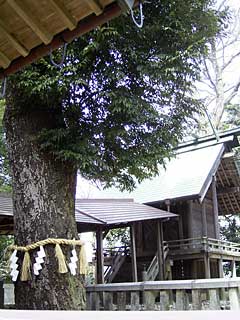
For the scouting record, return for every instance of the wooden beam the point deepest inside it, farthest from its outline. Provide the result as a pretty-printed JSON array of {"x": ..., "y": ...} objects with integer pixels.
[
  {"x": 4, "y": 61},
  {"x": 221, "y": 191},
  {"x": 15, "y": 43},
  {"x": 215, "y": 207},
  {"x": 133, "y": 251},
  {"x": 89, "y": 23},
  {"x": 65, "y": 15},
  {"x": 95, "y": 6},
  {"x": 31, "y": 20},
  {"x": 99, "y": 254}
]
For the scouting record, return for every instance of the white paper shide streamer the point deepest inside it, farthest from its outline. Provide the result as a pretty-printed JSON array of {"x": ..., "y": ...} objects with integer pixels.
[
  {"x": 39, "y": 261},
  {"x": 73, "y": 264},
  {"x": 13, "y": 266}
]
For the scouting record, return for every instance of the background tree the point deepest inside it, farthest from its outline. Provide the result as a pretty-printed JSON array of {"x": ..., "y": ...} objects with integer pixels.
[
  {"x": 219, "y": 86},
  {"x": 230, "y": 231},
  {"x": 113, "y": 112}
]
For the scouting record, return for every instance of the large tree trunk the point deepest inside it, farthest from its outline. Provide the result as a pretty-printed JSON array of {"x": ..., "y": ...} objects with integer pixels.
[{"x": 43, "y": 205}]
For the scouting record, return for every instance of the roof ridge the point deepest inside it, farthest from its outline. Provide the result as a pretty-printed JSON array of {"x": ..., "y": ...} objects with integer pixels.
[{"x": 91, "y": 216}]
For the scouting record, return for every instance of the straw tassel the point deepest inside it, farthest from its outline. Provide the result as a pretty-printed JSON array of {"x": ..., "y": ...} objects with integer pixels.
[
  {"x": 62, "y": 267},
  {"x": 82, "y": 260},
  {"x": 25, "y": 274}
]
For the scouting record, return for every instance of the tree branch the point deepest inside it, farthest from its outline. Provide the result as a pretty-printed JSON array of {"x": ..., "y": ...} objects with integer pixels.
[
  {"x": 233, "y": 94},
  {"x": 230, "y": 61}
]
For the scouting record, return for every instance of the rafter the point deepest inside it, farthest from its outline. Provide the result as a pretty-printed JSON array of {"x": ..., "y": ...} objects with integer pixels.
[
  {"x": 31, "y": 20},
  {"x": 4, "y": 60},
  {"x": 95, "y": 6},
  {"x": 15, "y": 43},
  {"x": 65, "y": 15}
]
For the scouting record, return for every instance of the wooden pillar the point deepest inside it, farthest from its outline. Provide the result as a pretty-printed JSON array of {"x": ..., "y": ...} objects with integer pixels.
[
  {"x": 220, "y": 268},
  {"x": 99, "y": 253},
  {"x": 215, "y": 207},
  {"x": 180, "y": 227},
  {"x": 133, "y": 251},
  {"x": 207, "y": 266},
  {"x": 190, "y": 222},
  {"x": 195, "y": 269},
  {"x": 204, "y": 219},
  {"x": 160, "y": 250},
  {"x": 233, "y": 269}
]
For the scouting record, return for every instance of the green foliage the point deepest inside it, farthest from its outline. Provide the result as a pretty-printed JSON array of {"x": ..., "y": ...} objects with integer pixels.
[
  {"x": 5, "y": 241},
  {"x": 118, "y": 237},
  {"x": 232, "y": 116},
  {"x": 124, "y": 96},
  {"x": 230, "y": 231}
]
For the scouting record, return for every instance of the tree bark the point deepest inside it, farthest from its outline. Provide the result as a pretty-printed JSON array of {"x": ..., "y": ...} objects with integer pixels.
[{"x": 43, "y": 207}]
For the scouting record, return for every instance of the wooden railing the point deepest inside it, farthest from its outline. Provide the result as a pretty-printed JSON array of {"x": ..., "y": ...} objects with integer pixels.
[
  {"x": 204, "y": 243},
  {"x": 153, "y": 268},
  {"x": 118, "y": 258},
  {"x": 204, "y": 294}
]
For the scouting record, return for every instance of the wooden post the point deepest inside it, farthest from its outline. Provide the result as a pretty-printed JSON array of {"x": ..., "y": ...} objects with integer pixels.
[
  {"x": 195, "y": 269},
  {"x": 108, "y": 301},
  {"x": 189, "y": 218},
  {"x": 133, "y": 251},
  {"x": 93, "y": 301},
  {"x": 99, "y": 253},
  {"x": 149, "y": 300},
  {"x": 234, "y": 299},
  {"x": 121, "y": 300},
  {"x": 135, "y": 304},
  {"x": 220, "y": 268},
  {"x": 204, "y": 219},
  {"x": 233, "y": 269},
  {"x": 196, "y": 299},
  {"x": 182, "y": 301},
  {"x": 215, "y": 207},
  {"x": 214, "y": 303},
  {"x": 160, "y": 251},
  {"x": 164, "y": 300},
  {"x": 207, "y": 266},
  {"x": 180, "y": 227}
]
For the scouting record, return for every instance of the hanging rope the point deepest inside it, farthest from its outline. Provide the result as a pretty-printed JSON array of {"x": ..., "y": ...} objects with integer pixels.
[
  {"x": 44, "y": 242},
  {"x": 60, "y": 64},
  {"x": 61, "y": 259},
  {"x": 138, "y": 24},
  {"x": 4, "y": 85}
]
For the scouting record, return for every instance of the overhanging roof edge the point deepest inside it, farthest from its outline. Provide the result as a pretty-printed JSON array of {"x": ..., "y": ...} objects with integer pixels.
[{"x": 212, "y": 172}]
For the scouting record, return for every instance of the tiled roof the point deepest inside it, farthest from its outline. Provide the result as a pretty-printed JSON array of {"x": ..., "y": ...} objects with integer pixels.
[
  {"x": 107, "y": 212},
  {"x": 112, "y": 212},
  {"x": 187, "y": 175}
]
